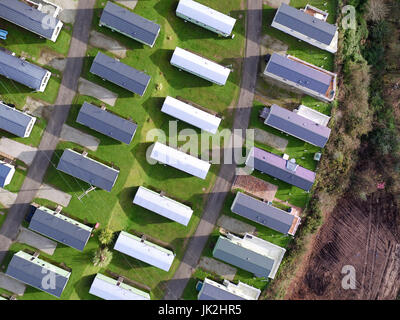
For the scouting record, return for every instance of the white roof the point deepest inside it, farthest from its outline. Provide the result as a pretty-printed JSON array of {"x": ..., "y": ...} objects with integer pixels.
[
  {"x": 144, "y": 250},
  {"x": 200, "y": 66},
  {"x": 206, "y": 15},
  {"x": 109, "y": 289},
  {"x": 180, "y": 160},
  {"x": 164, "y": 206},
  {"x": 191, "y": 115},
  {"x": 313, "y": 115}
]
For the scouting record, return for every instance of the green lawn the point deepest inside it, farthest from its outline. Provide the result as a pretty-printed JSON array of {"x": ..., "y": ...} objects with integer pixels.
[{"x": 115, "y": 209}]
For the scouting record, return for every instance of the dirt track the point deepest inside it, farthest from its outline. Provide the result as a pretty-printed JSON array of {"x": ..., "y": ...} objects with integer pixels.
[{"x": 362, "y": 234}]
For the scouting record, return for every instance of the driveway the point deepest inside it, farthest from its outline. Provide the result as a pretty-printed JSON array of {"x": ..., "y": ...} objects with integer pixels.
[
  {"x": 12, "y": 285},
  {"x": 216, "y": 199},
  {"x": 7, "y": 198},
  {"x": 71, "y": 134},
  {"x": 54, "y": 195},
  {"x": 50, "y": 139},
  {"x": 37, "y": 241},
  {"x": 18, "y": 150}
]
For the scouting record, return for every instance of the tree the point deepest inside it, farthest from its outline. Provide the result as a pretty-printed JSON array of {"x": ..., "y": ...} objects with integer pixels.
[
  {"x": 106, "y": 236},
  {"x": 102, "y": 257},
  {"x": 377, "y": 10}
]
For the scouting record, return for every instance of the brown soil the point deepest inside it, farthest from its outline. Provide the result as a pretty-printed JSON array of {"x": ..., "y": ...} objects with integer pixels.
[{"x": 365, "y": 235}]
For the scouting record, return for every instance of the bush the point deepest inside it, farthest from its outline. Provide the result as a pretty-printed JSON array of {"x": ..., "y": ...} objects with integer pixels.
[{"x": 106, "y": 236}]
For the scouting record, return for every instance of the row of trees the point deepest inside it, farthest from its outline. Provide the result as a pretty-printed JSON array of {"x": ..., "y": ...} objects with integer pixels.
[{"x": 103, "y": 255}]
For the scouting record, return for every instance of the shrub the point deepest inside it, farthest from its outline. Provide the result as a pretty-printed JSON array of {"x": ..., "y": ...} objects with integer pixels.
[{"x": 106, "y": 236}]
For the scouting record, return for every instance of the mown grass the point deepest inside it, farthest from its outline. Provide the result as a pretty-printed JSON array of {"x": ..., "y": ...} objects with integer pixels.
[{"x": 115, "y": 210}]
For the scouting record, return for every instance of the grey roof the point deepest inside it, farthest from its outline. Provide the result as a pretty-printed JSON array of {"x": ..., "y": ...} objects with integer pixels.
[
  {"x": 243, "y": 258},
  {"x": 130, "y": 23},
  {"x": 277, "y": 167},
  {"x": 88, "y": 170},
  {"x": 262, "y": 213},
  {"x": 299, "y": 73},
  {"x": 21, "y": 71},
  {"x": 32, "y": 274},
  {"x": 306, "y": 24},
  {"x": 28, "y": 17},
  {"x": 13, "y": 121},
  {"x": 210, "y": 292},
  {"x": 120, "y": 74},
  {"x": 4, "y": 171},
  {"x": 106, "y": 123},
  {"x": 298, "y": 126},
  {"x": 59, "y": 229}
]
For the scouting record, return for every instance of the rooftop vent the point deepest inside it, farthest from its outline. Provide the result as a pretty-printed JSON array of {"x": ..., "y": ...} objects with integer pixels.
[{"x": 291, "y": 165}]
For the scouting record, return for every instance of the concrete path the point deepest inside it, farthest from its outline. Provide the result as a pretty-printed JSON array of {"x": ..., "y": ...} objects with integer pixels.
[
  {"x": 66, "y": 94},
  {"x": 217, "y": 267},
  {"x": 83, "y": 139},
  {"x": 234, "y": 225},
  {"x": 18, "y": 150},
  {"x": 7, "y": 198},
  {"x": 177, "y": 284},
  {"x": 101, "y": 41},
  {"x": 54, "y": 195},
  {"x": 12, "y": 285},
  {"x": 91, "y": 89},
  {"x": 37, "y": 241}
]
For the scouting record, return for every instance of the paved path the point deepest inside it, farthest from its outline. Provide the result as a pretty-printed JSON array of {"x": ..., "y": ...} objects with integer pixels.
[
  {"x": 177, "y": 284},
  {"x": 12, "y": 285},
  {"x": 37, "y": 170},
  {"x": 37, "y": 241}
]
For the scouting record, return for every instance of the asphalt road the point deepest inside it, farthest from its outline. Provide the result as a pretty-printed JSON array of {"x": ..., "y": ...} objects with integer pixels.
[
  {"x": 216, "y": 199},
  {"x": 50, "y": 139}
]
